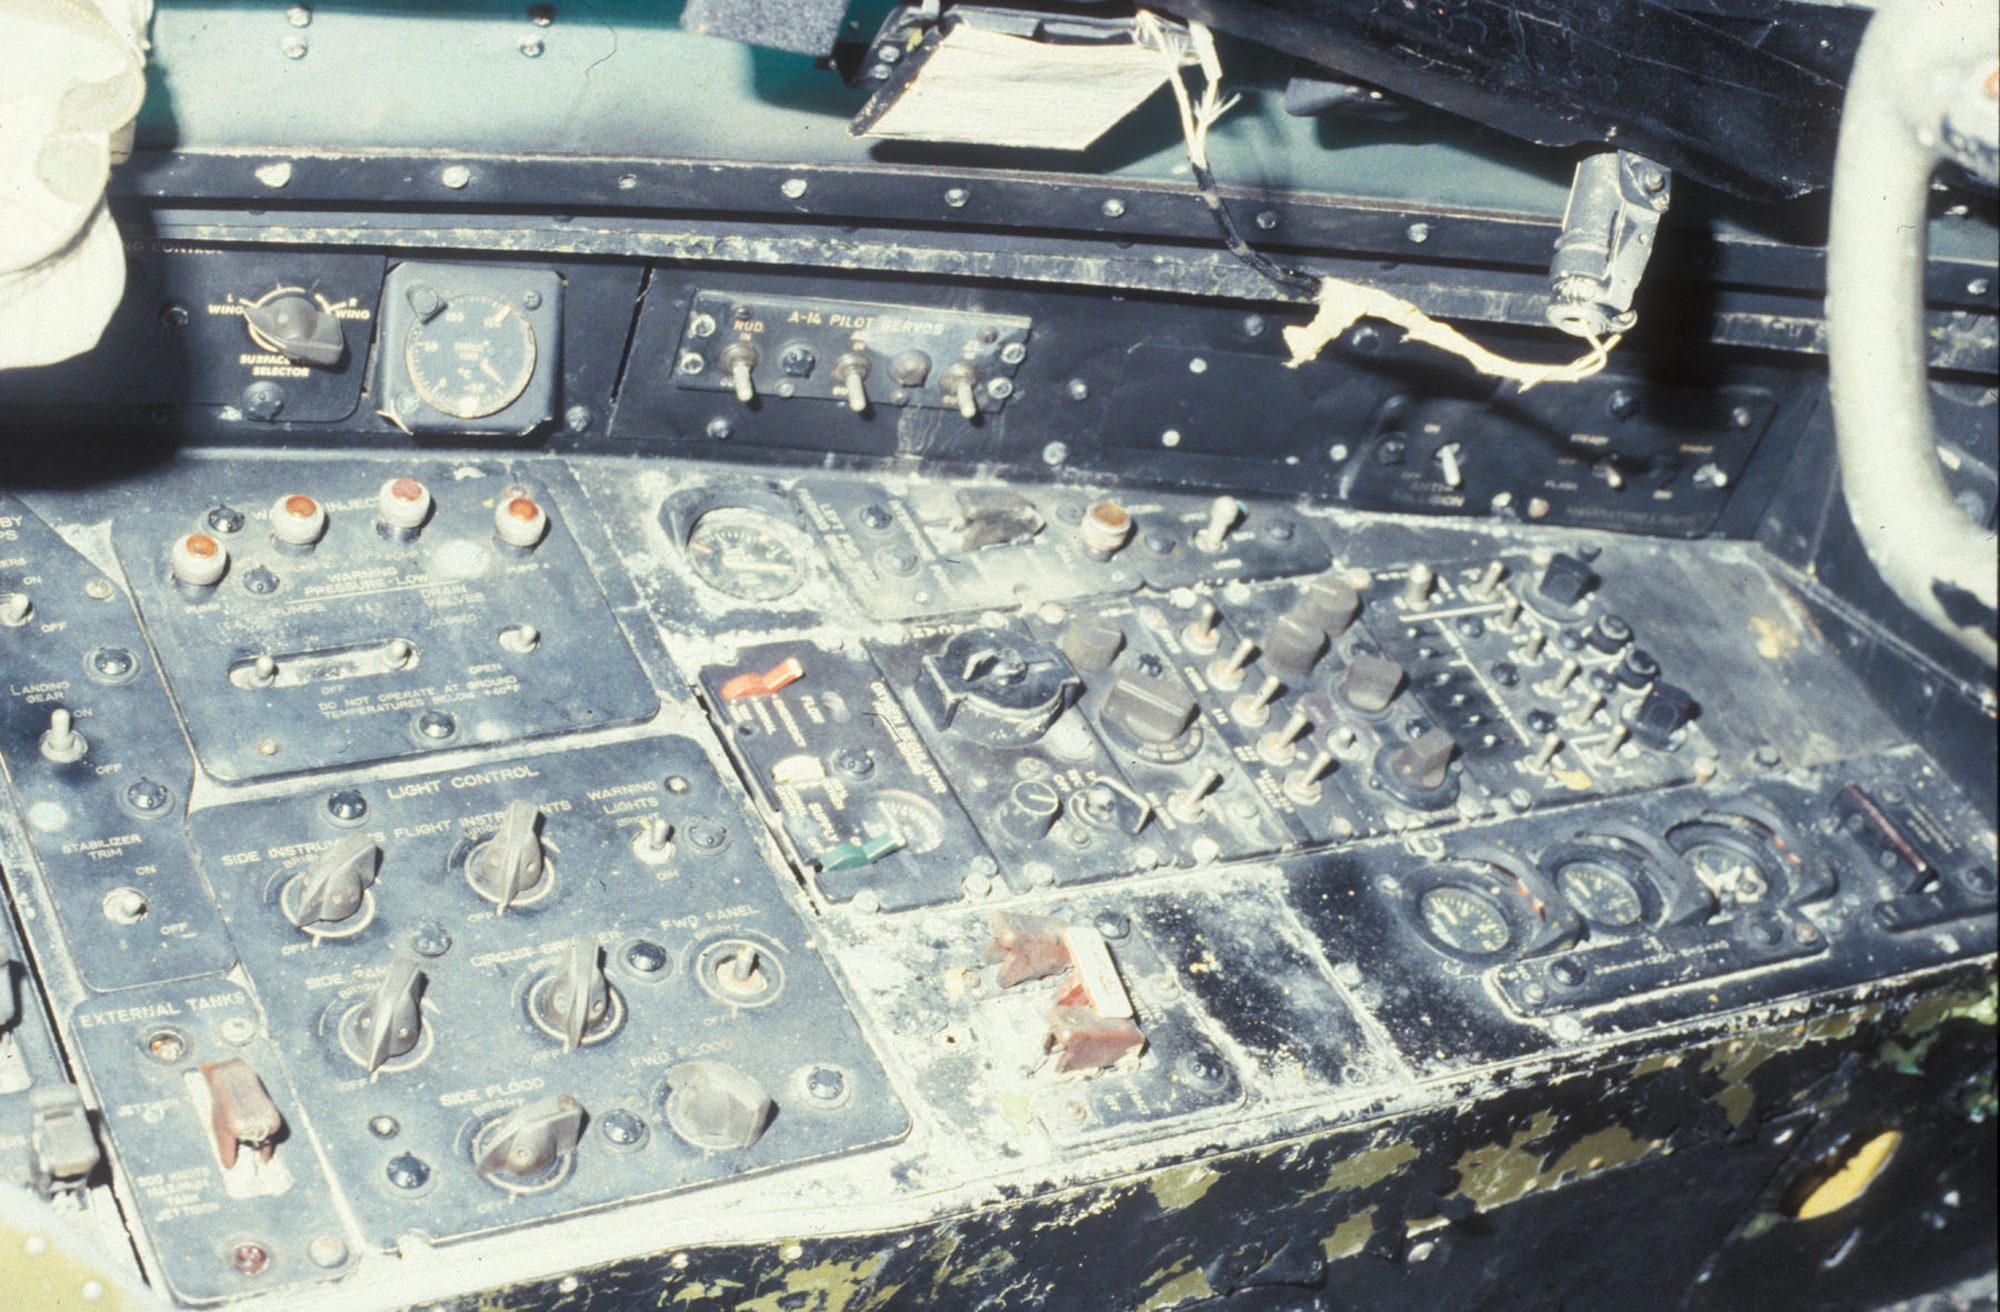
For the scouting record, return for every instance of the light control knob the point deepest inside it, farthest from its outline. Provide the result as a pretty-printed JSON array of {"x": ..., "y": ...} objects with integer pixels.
[
  {"x": 1154, "y": 711},
  {"x": 511, "y": 862},
  {"x": 530, "y": 1143},
  {"x": 403, "y": 504},
  {"x": 199, "y": 561},
  {"x": 334, "y": 886},
  {"x": 1371, "y": 683},
  {"x": 714, "y": 1105},
  {"x": 389, "y": 1024},
  {"x": 297, "y": 520},
  {"x": 574, "y": 1000}
]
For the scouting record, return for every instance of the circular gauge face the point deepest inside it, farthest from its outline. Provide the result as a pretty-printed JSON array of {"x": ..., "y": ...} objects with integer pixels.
[
  {"x": 1731, "y": 872},
  {"x": 1602, "y": 894},
  {"x": 745, "y": 554},
  {"x": 916, "y": 821},
  {"x": 473, "y": 358},
  {"x": 1465, "y": 921}
]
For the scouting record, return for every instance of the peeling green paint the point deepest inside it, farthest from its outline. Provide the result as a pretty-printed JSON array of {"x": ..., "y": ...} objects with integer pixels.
[
  {"x": 836, "y": 1284},
  {"x": 1499, "y": 1174},
  {"x": 1737, "y": 1060},
  {"x": 1182, "y": 1186},
  {"x": 1653, "y": 1065},
  {"x": 1370, "y": 1166},
  {"x": 1351, "y": 1236},
  {"x": 1928, "y": 1013},
  {"x": 1760, "y": 1223},
  {"x": 1191, "y": 1286}
]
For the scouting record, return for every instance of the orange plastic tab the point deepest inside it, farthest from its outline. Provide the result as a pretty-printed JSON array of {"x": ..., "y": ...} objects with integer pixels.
[{"x": 783, "y": 674}]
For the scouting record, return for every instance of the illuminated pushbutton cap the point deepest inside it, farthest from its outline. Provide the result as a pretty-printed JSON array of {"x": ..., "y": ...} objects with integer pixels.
[
  {"x": 199, "y": 560},
  {"x": 519, "y": 520},
  {"x": 298, "y": 520},
  {"x": 403, "y": 503}
]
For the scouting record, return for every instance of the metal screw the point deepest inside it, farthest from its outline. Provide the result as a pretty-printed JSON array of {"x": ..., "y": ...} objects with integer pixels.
[
  {"x": 705, "y": 833},
  {"x": 1113, "y": 208},
  {"x": 437, "y": 725},
  {"x": 1000, "y": 388},
  {"x": 455, "y": 176},
  {"x": 648, "y": 958},
  {"x": 299, "y": 16},
  {"x": 260, "y": 582},
  {"x": 1418, "y": 233},
  {"x": 347, "y": 806},
  {"x": 1013, "y": 353},
  {"x": 719, "y": 429},
  {"x": 1055, "y": 453},
  {"x": 792, "y": 188},
  {"x": 326, "y": 1251},
  {"x": 293, "y": 47},
  {"x": 147, "y": 795},
  {"x": 407, "y": 1171},
  {"x": 430, "y": 939},
  {"x": 1078, "y": 390},
  {"x": 1268, "y": 219},
  {"x": 225, "y": 519},
  {"x": 250, "y": 1259},
  {"x": 383, "y": 1127},
  {"x": 532, "y": 46},
  {"x": 622, "y": 1129},
  {"x": 1978, "y": 287},
  {"x": 113, "y": 662},
  {"x": 957, "y": 197},
  {"x": 826, "y": 1084}
]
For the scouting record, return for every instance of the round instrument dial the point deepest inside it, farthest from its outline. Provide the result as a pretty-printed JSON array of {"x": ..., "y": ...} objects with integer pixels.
[
  {"x": 1731, "y": 872},
  {"x": 473, "y": 358},
  {"x": 745, "y": 554},
  {"x": 1464, "y": 921},
  {"x": 1602, "y": 894}
]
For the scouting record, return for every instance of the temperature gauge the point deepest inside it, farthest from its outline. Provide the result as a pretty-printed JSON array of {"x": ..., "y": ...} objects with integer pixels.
[
  {"x": 746, "y": 554},
  {"x": 1465, "y": 922},
  {"x": 1601, "y": 893}
]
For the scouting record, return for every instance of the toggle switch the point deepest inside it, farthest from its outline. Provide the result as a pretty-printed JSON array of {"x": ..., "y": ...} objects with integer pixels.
[
  {"x": 334, "y": 887},
  {"x": 1227, "y": 673},
  {"x": 61, "y": 742},
  {"x": 960, "y": 382},
  {"x": 511, "y": 862},
  {"x": 1201, "y": 634},
  {"x": 1190, "y": 804},
  {"x": 1224, "y": 514},
  {"x": 241, "y": 1114},
  {"x": 1253, "y": 709},
  {"x": 851, "y": 372},
  {"x": 1279, "y": 746},
  {"x": 15, "y": 609},
  {"x": 1303, "y": 785},
  {"x": 739, "y": 360}
]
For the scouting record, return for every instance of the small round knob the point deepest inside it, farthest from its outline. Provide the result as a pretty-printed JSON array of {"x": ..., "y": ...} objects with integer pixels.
[
  {"x": 199, "y": 560},
  {"x": 403, "y": 503},
  {"x": 298, "y": 520},
  {"x": 519, "y": 520}
]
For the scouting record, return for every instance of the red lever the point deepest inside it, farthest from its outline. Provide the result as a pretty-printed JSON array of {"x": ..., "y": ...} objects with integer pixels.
[{"x": 785, "y": 672}]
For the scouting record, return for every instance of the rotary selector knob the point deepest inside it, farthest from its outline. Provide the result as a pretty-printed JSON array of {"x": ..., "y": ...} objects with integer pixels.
[
  {"x": 531, "y": 1146},
  {"x": 390, "y": 1023},
  {"x": 287, "y": 322},
  {"x": 574, "y": 1001},
  {"x": 996, "y": 688}
]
